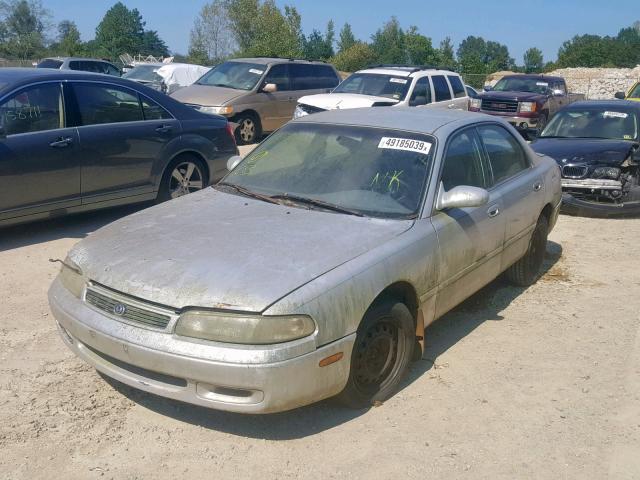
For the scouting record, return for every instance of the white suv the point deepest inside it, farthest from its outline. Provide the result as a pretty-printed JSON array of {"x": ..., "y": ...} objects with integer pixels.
[{"x": 391, "y": 85}]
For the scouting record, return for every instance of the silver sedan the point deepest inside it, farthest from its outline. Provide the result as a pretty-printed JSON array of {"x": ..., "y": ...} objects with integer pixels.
[{"x": 313, "y": 268}]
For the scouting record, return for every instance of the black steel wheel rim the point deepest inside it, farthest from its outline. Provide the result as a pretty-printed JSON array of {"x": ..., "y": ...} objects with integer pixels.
[{"x": 377, "y": 356}]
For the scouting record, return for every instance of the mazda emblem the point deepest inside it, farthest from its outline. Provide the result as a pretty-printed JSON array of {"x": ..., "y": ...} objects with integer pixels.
[{"x": 120, "y": 309}]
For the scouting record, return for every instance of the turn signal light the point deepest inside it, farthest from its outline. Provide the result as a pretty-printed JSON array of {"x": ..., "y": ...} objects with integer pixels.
[{"x": 336, "y": 357}]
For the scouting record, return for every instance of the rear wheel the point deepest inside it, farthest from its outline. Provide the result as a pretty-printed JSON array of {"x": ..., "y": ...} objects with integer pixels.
[
  {"x": 383, "y": 349},
  {"x": 184, "y": 175},
  {"x": 526, "y": 270}
]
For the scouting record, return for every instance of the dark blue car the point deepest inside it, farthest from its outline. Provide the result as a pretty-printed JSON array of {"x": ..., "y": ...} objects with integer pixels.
[{"x": 73, "y": 141}]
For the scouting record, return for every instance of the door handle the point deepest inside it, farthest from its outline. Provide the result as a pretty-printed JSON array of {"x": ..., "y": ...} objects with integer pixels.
[
  {"x": 164, "y": 129},
  {"x": 493, "y": 211},
  {"x": 61, "y": 142},
  {"x": 537, "y": 187},
  {"x": 452, "y": 105}
]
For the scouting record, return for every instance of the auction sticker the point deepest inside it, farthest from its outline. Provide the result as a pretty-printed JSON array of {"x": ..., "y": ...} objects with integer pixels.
[
  {"x": 393, "y": 143},
  {"x": 257, "y": 72},
  {"x": 615, "y": 115},
  {"x": 398, "y": 80}
]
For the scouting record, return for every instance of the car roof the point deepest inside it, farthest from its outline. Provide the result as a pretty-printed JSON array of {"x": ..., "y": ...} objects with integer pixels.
[
  {"x": 415, "y": 119},
  {"x": 613, "y": 104},
  {"x": 274, "y": 60},
  {"x": 63, "y": 59},
  {"x": 534, "y": 76},
  {"x": 405, "y": 71}
]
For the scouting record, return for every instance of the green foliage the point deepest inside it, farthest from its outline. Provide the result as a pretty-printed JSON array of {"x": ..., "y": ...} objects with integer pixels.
[
  {"x": 356, "y": 57},
  {"x": 588, "y": 51},
  {"x": 23, "y": 24},
  {"x": 388, "y": 43},
  {"x": 446, "y": 57},
  {"x": 533, "y": 60},
  {"x": 152, "y": 44},
  {"x": 211, "y": 36},
  {"x": 68, "y": 42},
  {"x": 475, "y": 55},
  {"x": 419, "y": 49},
  {"x": 121, "y": 30},
  {"x": 346, "y": 40},
  {"x": 317, "y": 46}
]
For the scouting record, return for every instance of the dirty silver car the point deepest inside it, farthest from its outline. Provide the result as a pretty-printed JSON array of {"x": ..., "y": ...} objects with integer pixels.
[{"x": 313, "y": 268}]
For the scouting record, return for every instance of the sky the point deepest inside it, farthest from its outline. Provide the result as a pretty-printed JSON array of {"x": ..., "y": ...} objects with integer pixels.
[{"x": 518, "y": 24}]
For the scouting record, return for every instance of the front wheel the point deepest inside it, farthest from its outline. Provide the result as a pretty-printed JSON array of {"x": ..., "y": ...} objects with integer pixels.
[
  {"x": 183, "y": 176},
  {"x": 383, "y": 349},
  {"x": 526, "y": 270}
]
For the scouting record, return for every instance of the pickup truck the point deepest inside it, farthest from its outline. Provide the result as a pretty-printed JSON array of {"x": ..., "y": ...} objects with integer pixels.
[{"x": 525, "y": 101}]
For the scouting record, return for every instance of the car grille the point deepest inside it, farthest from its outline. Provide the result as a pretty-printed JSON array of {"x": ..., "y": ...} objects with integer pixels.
[
  {"x": 122, "y": 308},
  {"x": 574, "y": 172},
  {"x": 506, "y": 106}
]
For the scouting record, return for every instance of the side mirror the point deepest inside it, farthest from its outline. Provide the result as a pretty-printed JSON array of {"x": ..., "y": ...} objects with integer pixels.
[
  {"x": 233, "y": 162},
  {"x": 620, "y": 95},
  {"x": 487, "y": 88},
  {"x": 557, "y": 93},
  {"x": 270, "y": 88},
  {"x": 462, "y": 196}
]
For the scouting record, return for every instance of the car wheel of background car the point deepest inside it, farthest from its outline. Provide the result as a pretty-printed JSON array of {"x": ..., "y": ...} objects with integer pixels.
[
  {"x": 383, "y": 349},
  {"x": 184, "y": 175},
  {"x": 248, "y": 130},
  {"x": 526, "y": 270}
]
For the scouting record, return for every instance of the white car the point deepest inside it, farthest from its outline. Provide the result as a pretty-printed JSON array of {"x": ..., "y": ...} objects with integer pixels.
[{"x": 391, "y": 85}]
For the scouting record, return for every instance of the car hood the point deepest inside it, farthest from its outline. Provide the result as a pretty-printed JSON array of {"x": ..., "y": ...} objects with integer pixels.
[
  {"x": 207, "y": 95},
  {"x": 219, "y": 250},
  {"x": 519, "y": 96},
  {"x": 584, "y": 151},
  {"x": 339, "y": 101}
]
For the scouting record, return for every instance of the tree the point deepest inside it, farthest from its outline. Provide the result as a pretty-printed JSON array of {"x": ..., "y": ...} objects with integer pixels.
[
  {"x": 69, "y": 43},
  {"x": 152, "y": 44},
  {"x": 477, "y": 56},
  {"x": 211, "y": 35},
  {"x": 446, "y": 54},
  {"x": 318, "y": 47},
  {"x": 356, "y": 57},
  {"x": 533, "y": 60},
  {"x": 419, "y": 49},
  {"x": 588, "y": 51},
  {"x": 346, "y": 40},
  {"x": 23, "y": 28},
  {"x": 121, "y": 30},
  {"x": 388, "y": 43}
]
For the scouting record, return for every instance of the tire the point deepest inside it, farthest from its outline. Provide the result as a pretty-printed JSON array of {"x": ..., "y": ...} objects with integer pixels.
[
  {"x": 384, "y": 347},
  {"x": 175, "y": 182},
  {"x": 525, "y": 271},
  {"x": 248, "y": 130}
]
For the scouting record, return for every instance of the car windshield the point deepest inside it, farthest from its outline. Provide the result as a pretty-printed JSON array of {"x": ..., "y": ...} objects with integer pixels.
[
  {"x": 362, "y": 170},
  {"x": 145, "y": 73},
  {"x": 520, "y": 84},
  {"x": 237, "y": 75},
  {"x": 606, "y": 122},
  {"x": 635, "y": 93},
  {"x": 49, "y": 63},
  {"x": 390, "y": 86}
]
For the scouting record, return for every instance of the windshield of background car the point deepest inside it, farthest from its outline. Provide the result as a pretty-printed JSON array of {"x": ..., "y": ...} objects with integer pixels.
[
  {"x": 146, "y": 73},
  {"x": 49, "y": 63},
  {"x": 238, "y": 75},
  {"x": 389, "y": 86},
  {"x": 517, "y": 84},
  {"x": 607, "y": 122},
  {"x": 373, "y": 171},
  {"x": 635, "y": 93}
]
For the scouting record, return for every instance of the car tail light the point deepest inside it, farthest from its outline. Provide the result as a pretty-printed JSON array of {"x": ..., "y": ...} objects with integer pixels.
[{"x": 229, "y": 129}]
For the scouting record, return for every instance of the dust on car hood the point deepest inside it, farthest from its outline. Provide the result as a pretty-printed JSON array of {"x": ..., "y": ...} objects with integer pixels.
[
  {"x": 207, "y": 95},
  {"x": 220, "y": 250},
  {"x": 335, "y": 101}
]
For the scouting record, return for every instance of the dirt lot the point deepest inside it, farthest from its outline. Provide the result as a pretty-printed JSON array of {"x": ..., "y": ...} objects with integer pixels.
[{"x": 536, "y": 383}]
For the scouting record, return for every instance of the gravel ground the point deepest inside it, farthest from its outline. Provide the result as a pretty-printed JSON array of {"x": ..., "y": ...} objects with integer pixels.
[{"x": 515, "y": 383}]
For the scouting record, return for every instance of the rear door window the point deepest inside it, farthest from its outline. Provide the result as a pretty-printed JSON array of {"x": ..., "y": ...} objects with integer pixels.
[
  {"x": 279, "y": 75},
  {"x": 441, "y": 88},
  {"x": 506, "y": 156},
  {"x": 99, "y": 104},
  {"x": 33, "y": 109},
  {"x": 153, "y": 111},
  {"x": 421, "y": 94},
  {"x": 457, "y": 86},
  {"x": 303, "y": 77}
]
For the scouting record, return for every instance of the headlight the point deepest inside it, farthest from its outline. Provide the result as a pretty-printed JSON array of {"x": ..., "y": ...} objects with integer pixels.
[
  {"x": 71, "y": 278},
  {"x": 475, "y": 103},
  {"x": 527, "y": 107},
  {"x": 243, "y": 329},
  {"x": 606, "y": 172},
  {"x": 299, "y": 112},
  {"x": 228, "y": 110}
]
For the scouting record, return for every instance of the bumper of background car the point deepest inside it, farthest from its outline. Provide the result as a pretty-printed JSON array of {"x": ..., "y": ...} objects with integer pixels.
[
  {"x": 134, "y": 356},
  {"x": 575, "y": 206}
]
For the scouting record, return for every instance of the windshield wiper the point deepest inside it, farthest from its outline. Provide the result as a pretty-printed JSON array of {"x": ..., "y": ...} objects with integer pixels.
[
  {"x": 316, "y": 203},
  {"x": 248, "y": 193}
]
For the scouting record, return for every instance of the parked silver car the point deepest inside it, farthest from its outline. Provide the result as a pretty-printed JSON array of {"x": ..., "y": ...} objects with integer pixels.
[{"x": 313, "y": 268}]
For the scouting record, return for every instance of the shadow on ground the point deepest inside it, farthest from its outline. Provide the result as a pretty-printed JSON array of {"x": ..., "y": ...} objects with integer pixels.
[
  {"x": 72, "y": 226},
  {"x": 486, "y": 305}
]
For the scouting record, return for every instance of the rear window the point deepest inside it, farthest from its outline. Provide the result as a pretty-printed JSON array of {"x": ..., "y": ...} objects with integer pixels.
[
  {"x": 457, "y": 86},
  {"x": 441, "y": 88},
  {"x": 49, "y": 63},
  {"x": 310, "y": 77}
]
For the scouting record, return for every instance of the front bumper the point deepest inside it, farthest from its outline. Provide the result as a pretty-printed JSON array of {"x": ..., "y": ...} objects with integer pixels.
[
  {"x": 134, "y": 356},
  {"x": 575, "y": 206},
  {"x": 521, "y": 123}
]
